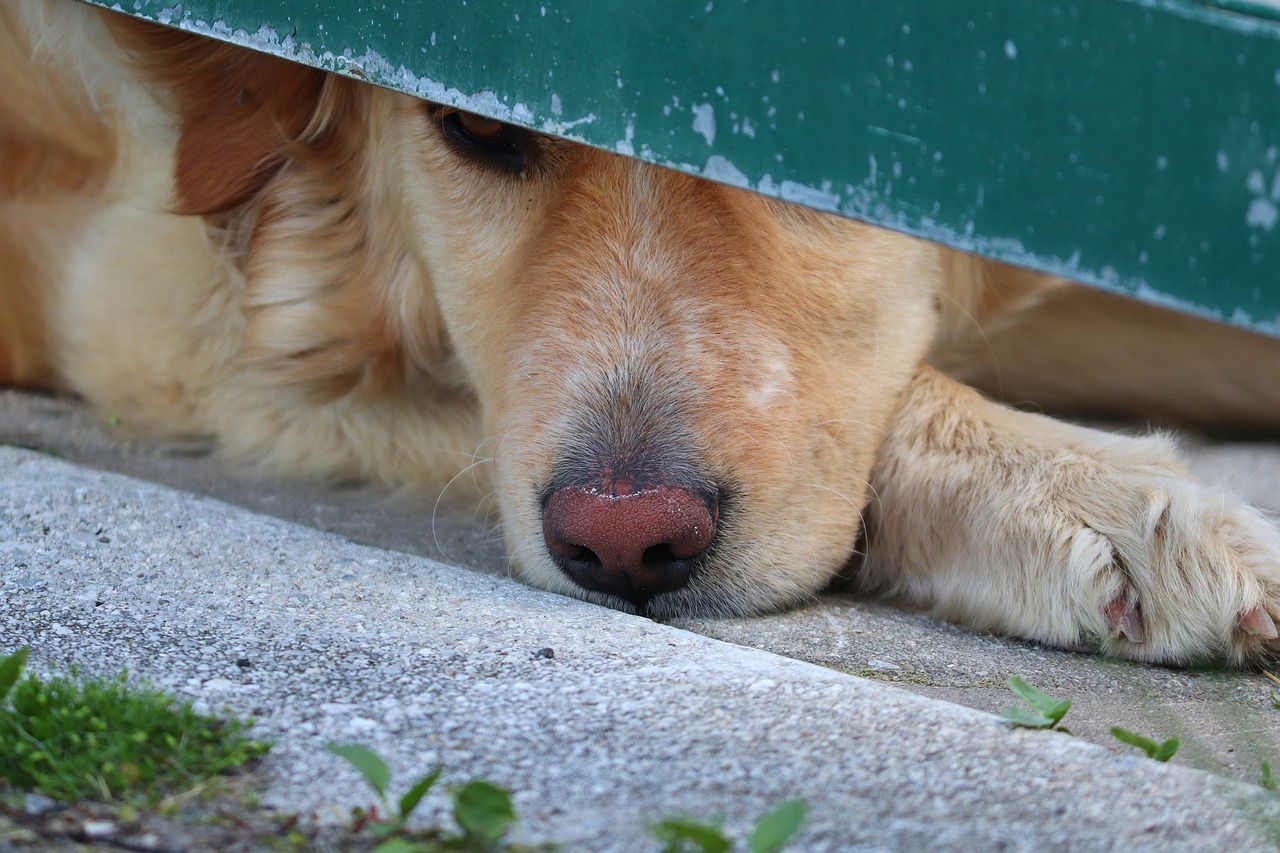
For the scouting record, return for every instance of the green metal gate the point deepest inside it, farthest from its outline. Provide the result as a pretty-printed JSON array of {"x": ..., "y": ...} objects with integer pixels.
[{"x": 1131, "y": 144}]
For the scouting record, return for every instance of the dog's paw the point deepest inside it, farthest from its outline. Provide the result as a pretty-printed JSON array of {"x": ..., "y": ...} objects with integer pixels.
[
  {"x": 1170, "y": 571},
  {"x": 1015, "y": 523}
]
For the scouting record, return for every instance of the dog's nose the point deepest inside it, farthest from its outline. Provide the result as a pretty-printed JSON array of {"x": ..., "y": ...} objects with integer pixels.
[{"x": 633, "y": 545}]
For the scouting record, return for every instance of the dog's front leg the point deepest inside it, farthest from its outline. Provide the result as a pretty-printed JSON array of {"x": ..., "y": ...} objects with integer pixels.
[{"x": 1019, "y": 524}]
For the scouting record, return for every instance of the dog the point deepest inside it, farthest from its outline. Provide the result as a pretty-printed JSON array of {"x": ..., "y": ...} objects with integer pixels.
[{"x": 686, "y": 398}]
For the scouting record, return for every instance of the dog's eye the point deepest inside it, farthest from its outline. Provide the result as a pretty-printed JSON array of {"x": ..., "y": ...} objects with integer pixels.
[
  {"x": 484, "y": 129},
  {"x": 488, "y": 141}
]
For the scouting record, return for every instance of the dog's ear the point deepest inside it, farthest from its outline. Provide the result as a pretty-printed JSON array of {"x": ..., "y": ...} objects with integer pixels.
[{"x": 238, "y": 110}]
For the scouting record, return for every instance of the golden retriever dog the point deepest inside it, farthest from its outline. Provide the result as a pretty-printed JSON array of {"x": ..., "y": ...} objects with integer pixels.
[{"x": 685, "y": 398}]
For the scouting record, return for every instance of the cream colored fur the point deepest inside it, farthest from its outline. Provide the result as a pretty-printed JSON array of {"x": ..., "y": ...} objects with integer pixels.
[
  {"x": 381, "y": 306},
  {"x": 1013, "y": 522}
]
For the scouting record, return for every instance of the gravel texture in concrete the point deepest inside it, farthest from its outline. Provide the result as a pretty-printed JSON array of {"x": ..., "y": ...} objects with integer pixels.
[
  {"x": 622, "y": 722},
  {"x": 1227, "y": 721}
]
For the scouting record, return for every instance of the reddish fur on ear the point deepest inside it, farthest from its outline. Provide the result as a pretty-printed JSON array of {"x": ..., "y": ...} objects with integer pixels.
[{"x": 237, "y": 110}]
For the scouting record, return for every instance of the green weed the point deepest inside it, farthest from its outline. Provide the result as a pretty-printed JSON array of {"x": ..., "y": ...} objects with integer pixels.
[
  {"x": 483, "y": 811},
  {"x": 771, "y": 832},
  {"x": 72, "y": 738},
  {"x": 484, "y": 815},
  {"x": 1045, "y": 712},
  {"x": 1162, "y": 751}
]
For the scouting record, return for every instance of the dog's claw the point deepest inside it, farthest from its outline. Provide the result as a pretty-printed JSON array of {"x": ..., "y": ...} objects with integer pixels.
[
  {"x": 1125, "y": 619},
  {"x": 1258, "y": 621}
]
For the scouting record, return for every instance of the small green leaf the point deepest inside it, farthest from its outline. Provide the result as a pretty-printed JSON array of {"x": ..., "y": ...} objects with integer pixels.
[
  {"x": 483, "y": 811},
  {"x": 1020, "y": 716},
  {"x": 1167, "y": 750},
  {"x": 371, "y": 767},
  {"x": 777, "y": 827},
  {"x": 1134, "y": 739},
  {"x": 1048, "y": 706},
  {"x": 414, "y": 795},
  {"x": 675, "y": 830},
  {"x": 1268, "y": 781},
  {"x": 11, "y": 670}
]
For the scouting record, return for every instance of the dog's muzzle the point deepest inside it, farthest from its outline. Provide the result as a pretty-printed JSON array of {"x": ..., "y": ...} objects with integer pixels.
[{"x": 631, "y": 543}]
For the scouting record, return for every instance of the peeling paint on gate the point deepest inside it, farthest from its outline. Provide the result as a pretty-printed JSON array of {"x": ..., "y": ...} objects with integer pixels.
[{"x": 1130, "y": 144}]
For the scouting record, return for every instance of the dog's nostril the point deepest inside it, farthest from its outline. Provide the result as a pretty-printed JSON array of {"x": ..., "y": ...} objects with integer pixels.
[
  {"x": 581, "y": 559},
  {"x": 659, "y": 555},
  {"x": 634, "y": 545}
]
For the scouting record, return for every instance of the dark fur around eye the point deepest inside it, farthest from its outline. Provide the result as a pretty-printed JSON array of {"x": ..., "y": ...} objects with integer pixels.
[{"x": 512, "y": 150}]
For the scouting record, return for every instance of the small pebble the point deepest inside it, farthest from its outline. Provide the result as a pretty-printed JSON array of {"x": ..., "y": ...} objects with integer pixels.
[
  {"x": 37, "y": 804},
  {"x": 547, "y": 653},
  {"x": 883, "y": 665},
  {"x": 98, "y": 828}
]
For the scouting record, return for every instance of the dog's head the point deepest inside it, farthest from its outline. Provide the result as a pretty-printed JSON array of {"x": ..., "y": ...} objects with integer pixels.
[{"x": 682, "y": 385}]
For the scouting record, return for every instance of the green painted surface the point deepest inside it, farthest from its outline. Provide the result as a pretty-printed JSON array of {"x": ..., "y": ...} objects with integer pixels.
[{"x": 1133, "y": 144}]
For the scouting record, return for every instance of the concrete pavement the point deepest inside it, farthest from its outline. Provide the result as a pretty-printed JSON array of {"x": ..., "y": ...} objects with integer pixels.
[{"x": 323, "y": 639}]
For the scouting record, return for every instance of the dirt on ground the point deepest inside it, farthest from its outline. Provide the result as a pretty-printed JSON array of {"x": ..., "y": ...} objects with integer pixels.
[{"x": 222, "y": 819}]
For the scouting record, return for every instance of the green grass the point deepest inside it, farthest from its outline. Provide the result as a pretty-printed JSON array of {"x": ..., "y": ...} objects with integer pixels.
[
  {"x": 1268, "y": 781},
  {"x": 124, "y": 745},
  {"x": 107, "y": 740}
]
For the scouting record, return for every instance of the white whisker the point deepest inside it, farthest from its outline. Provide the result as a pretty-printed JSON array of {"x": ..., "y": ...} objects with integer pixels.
[
  {"x": 982, "y": 334},
  {"x": 435, "y": 509}
]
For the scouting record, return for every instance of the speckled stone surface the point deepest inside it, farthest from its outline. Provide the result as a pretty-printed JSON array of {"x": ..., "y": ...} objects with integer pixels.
[{"x": 629, "y": 721}]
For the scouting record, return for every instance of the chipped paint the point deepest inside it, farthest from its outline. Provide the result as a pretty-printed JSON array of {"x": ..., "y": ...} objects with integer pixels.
[
  {"x": 704, "y": 122},
  {"x": 1261, "y": 214},
  {"x": 720, "y": 169},
  {"x": 889, "y": 167},
  {"x": 371, "y": 67},
  {"x": 626, "y": 145}
]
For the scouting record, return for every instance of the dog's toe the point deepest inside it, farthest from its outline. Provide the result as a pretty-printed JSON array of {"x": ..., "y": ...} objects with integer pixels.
[
  {"x": 1259, "y": 623},
  {"x": 1124, "y": 617},
  {"x": 1200, "y": 583}
]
